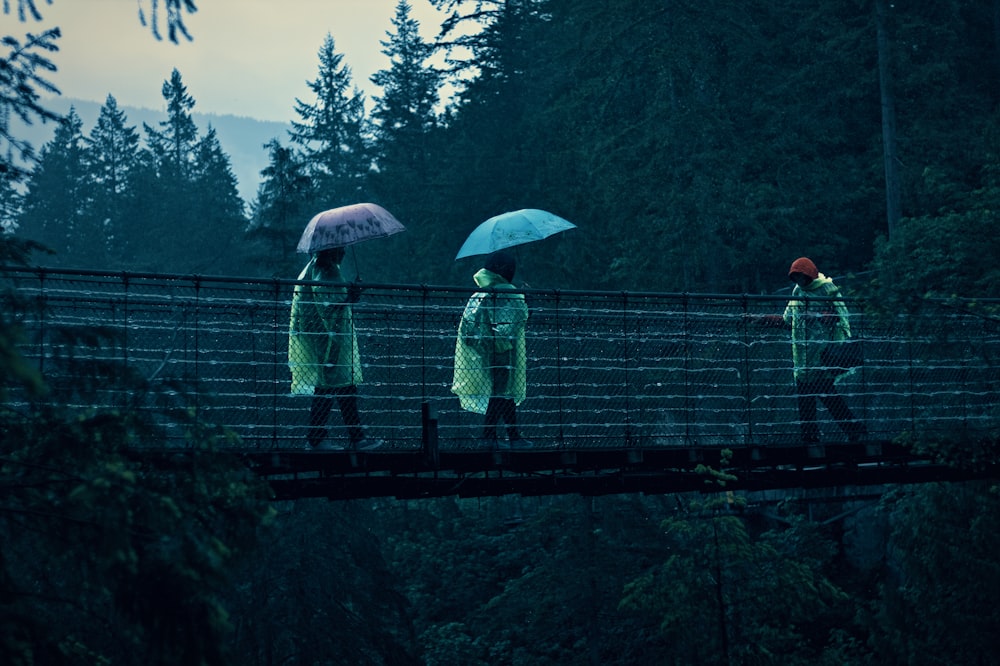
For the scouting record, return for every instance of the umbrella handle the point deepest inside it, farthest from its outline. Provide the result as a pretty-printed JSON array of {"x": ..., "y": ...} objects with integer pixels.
[{"x": 357, "y": 271}]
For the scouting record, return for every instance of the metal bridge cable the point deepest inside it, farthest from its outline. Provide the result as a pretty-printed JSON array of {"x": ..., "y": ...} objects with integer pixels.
[
  {"x": 687, "y": 368},
  {"x": 559, "y": 393},
  {"x": 125, "y": 346},
  {"x": 911, "y": 391},
  {"x": 926, "y": 386},
  {"x": 274, "y": 366},
  {"x": 42, "y": 318},
  {"x": 423, "y": 342},
  {"x": 748, "y": 408},
  {"x": 628, "y": 406},
  {"x": 197, "y": 347}
]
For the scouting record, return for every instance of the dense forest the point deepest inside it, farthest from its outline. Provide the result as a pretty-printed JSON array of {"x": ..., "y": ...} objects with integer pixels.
[{"x": 698, "y": 147}]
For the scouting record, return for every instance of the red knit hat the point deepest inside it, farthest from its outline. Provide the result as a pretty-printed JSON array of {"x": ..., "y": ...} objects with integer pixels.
[{"x": 805, "y": 266}]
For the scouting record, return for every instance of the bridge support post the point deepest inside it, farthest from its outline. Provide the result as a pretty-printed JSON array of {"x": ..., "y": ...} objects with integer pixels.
[{"x": 429, "y": 421}]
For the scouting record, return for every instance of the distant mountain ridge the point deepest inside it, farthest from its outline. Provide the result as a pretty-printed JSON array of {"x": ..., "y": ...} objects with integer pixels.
[{"x": 241, "y": 137}]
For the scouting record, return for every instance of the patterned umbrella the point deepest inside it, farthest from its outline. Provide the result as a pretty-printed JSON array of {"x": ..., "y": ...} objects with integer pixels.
[
  {"x": 509, "y": 229},
  {"x": 347, "y": 225}
]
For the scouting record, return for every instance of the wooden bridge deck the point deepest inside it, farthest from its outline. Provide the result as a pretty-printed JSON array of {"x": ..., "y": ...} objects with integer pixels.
[{"x": 466, "y": 473}]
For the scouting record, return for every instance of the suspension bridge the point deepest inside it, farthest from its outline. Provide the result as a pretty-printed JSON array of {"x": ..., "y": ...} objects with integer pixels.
[{"x": 627, "y": 391}]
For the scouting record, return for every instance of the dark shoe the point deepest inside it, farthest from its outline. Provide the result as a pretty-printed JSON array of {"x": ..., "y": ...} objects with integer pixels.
[{"x": 521, "y": 443}]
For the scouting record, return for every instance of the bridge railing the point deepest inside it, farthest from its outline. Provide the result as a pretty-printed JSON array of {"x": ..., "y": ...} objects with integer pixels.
[{"x": 605, "y": 369}]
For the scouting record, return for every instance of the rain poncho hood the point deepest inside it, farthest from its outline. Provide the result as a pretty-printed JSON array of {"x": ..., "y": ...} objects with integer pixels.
[
  {"x": 491, "y": 330},
  {"x": 322, "y": 344},
  {"x": 815, "y": 325}
]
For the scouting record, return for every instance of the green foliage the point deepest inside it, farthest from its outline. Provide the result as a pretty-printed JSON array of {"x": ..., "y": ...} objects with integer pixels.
[
  {"x": 55, "y": 203},
  {"x": 939, "y": 601},
  {"x": 17, "y": 371},
  {"x": 103, "y": 202},
  {"x": 111, "y": 551},
  {"x": 318, "y": 591},
  {"x": 750, "y": 600},
  {"x": 331, "y": 132},
  {"x": 22, "y": 78},
  {"x": 698, "y": 147},
  {"x": 175, "y": 10},
  {"x": 949, "y": 253},
  {"x": 283, "y": 200},
  {"x": 112, "y": 155}
]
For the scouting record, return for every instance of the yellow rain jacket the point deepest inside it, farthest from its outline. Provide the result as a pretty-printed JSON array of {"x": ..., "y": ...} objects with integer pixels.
[
  {"x": 322, "y": 344},
  {"x": 491, "y": 332},
  {"x": 815, "y": 325}
]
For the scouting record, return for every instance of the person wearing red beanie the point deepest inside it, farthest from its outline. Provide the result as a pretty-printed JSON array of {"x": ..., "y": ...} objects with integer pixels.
[
  {"x": 803, "y": 266},
  {"x": 817, "y": 325}
]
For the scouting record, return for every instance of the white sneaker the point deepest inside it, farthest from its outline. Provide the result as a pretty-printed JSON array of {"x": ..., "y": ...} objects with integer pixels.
[
  {"x": 327, "y": 446},
  {"x": 367, "y": 444}
]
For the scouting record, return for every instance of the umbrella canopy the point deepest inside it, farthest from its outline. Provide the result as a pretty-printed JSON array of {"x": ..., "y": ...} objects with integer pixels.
[
  {"x": 347, "y": 225},
  {"x": 510, "y": 229}
]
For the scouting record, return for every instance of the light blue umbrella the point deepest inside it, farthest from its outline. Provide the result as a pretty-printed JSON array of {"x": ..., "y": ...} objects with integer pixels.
[{"x": 513, "y": 228}]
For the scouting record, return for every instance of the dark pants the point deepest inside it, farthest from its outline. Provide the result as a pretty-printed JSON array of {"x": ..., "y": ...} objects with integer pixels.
[
  {"x": 322, "y": 405},
  {"x": 500, "y": 407},
  {"x": 825, "y": 390}
]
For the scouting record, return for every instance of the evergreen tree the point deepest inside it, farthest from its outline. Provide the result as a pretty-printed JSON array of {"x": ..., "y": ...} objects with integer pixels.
[
  {"x": 331, "y": 133},
  {"x": 724, "y": 596},
  {"x": 112, "y": 156},
  {"x": 405, "y": 112},
  {"x": 219, "y": 220},
  {"x": 22, "y": 78},
  {"x": 57, "y": 197},
  {"x": 193, "y": 214},
  {"x": 496, "y": 153},
  {"x": 312, "y": 595},
  {"x": 405, "y": 122},
  {"x": 939, "y": 598},
  {"x": 174, "y": 144},
  {"x": 10, "y": 202},
  {"x": 281, "y": 212},
  {"x": 108, "y": 555},
  {"x": 160, "y": 244}
]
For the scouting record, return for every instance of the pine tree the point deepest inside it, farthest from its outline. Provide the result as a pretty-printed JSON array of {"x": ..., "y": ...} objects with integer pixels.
[
  {"x": 331, "y": 132},
  {"x": 174, "y": 236},
  {"x": 10, "y": 202},
  {"x": 405, "y": 112},
  {"x": 281, "y": 211},
  {"x": 112, "y": 154},
  {"x": 219, "y": 221},
  {"x": 21, "y": 80},
  {"x": 57, "y": 196},
  {"x": 174, "y": 143},
  {"x": 405, "y": 127}
]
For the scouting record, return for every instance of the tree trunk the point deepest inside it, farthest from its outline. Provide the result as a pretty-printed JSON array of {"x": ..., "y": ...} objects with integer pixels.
[{"x": 892, "y": 187}]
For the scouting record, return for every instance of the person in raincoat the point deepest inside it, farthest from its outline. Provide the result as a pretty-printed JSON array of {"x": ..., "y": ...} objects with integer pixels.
[
  {"x": 323, "y": 350},
  {"x": 490, "y": 357},
  {"x": 816, "y": 326}
]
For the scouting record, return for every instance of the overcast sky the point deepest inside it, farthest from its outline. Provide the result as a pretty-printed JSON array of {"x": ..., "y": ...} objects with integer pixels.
[{"x": 248, "y": 58}]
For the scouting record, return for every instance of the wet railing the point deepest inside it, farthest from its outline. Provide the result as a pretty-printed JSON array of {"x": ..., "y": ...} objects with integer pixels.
[{"x": 616, "y": 370}]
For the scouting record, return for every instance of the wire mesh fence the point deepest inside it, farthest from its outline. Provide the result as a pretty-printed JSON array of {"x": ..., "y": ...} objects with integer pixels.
[{"x": 603, "y": 369}]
